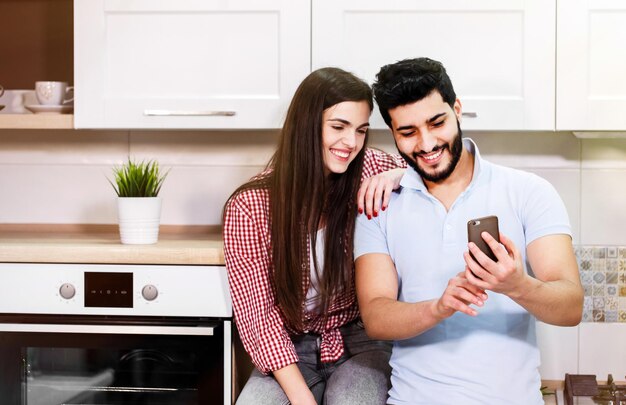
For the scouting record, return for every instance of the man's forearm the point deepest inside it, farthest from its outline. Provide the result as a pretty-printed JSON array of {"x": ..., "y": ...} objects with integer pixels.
[
  {"x": 557, "y": 302},
  {"x": 389, "y": 319}
]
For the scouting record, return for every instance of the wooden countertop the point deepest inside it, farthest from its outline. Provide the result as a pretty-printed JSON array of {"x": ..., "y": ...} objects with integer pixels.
[{"x": 190, "y": 245}]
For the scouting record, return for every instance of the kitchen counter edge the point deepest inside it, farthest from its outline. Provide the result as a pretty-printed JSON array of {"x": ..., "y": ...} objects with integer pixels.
[{"x": 100, "y": 244}]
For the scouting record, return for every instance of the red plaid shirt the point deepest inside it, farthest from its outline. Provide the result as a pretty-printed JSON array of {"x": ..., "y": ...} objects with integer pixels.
[{"x": 247, "y": 250}]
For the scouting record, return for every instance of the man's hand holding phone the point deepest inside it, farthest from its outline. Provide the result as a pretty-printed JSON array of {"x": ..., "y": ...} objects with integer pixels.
[{"x": 506, "y": 275}]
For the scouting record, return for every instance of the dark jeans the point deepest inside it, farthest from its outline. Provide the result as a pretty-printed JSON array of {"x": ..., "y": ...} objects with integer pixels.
[{"x": 360, "y": 376}]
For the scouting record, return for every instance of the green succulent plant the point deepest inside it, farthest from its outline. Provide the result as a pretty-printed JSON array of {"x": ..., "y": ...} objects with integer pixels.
[{"x": 134, "y": 179}]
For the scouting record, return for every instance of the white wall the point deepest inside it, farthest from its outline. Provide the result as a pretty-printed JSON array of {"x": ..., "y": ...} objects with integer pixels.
[{"x": 59, "y": 176}]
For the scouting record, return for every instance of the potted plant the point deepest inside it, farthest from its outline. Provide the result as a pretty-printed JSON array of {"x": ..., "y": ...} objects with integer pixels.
[{"x": 138, "y": 205}]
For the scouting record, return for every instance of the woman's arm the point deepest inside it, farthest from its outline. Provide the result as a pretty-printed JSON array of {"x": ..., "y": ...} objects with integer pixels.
[
  {"x": 291, "y": 381},
  {"x": 375, "y": 191},
  {"x": 257, "y": 318},
  {"x": 247, "y": 256},
  {"x": 381, "y": 175}
]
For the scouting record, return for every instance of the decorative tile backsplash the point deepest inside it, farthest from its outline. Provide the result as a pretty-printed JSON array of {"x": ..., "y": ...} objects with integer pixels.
[{"x": 603, "y": 276}]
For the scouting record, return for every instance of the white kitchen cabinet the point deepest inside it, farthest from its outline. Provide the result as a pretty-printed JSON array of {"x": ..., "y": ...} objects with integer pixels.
[
  {"x": 188, "y": 63},
  {"x": 500, "y": 54},
  {"x": 591, "y": 65}
]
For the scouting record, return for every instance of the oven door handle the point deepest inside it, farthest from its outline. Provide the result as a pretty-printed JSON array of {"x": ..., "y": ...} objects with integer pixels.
[{"x": 109, "y": 329}]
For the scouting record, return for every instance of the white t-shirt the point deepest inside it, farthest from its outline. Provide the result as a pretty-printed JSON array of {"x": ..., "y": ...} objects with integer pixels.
[{"x": 312, "y": 295}]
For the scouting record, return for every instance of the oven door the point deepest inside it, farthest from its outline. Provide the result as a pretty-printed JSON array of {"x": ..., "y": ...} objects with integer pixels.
[{"x": 153, "y": 364}]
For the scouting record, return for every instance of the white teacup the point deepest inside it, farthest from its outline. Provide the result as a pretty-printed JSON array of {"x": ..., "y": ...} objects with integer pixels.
[
  {"x": 15, "y": 100},
  {"x": 53, "y": 93}
]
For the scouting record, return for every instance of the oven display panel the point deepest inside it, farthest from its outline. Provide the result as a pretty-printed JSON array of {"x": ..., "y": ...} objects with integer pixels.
[{"x": 108, "y": 290}]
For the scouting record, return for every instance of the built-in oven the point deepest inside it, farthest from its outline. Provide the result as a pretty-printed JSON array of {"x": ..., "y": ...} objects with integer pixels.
[{"x": 114, "y": 334}]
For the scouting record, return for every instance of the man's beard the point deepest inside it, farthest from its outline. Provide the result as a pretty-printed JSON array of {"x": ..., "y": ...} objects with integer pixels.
[{"x": 455, "y": 152}]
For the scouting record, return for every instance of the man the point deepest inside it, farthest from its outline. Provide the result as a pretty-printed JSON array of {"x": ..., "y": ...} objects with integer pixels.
[{"x": 464, "y": 329}]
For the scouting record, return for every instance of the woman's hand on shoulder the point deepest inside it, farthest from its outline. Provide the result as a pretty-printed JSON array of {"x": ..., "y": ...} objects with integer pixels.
[{"x": 375, "y": 191}]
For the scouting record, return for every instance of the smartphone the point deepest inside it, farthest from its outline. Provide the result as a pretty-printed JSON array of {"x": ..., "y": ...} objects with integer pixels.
[{"x": 479, "y": 225}]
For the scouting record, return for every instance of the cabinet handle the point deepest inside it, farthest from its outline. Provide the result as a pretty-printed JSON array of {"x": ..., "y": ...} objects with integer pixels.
[
  {"x": 171, "y": 113},
  {"x": 470, "y": 114}
]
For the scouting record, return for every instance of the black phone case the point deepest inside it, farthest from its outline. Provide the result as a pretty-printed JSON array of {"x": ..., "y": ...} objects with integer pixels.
[{"x": 479, "y": 225}]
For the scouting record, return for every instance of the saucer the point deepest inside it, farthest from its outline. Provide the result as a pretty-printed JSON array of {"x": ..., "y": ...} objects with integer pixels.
[{"x": 49, "y": 109}]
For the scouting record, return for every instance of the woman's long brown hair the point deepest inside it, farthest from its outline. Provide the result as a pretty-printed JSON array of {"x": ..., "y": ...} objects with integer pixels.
[{"x": 301, "y": 196}]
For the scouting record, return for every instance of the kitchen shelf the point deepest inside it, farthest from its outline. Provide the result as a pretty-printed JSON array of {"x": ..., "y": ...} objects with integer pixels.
[{"x": 36, "y": 121}]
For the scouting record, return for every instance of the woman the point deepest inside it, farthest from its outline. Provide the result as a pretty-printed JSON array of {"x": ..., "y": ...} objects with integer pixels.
[{"x": 291, "y": 277}]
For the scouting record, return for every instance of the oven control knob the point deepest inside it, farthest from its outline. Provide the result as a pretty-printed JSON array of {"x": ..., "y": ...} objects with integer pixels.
[
  {"x": 67, "y": 291},
  {"x": 149, "y": 292}
]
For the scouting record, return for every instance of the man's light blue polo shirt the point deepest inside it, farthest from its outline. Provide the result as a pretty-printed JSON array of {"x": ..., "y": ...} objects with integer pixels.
[{"x": 488, "y": 359}]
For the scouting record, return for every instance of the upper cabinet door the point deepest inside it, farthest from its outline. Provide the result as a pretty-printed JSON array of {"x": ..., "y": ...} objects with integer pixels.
[
  {"x": 591, "y": 65},
  {"x": 500, "y": 54},
  {"x": 188, "y": 63}
]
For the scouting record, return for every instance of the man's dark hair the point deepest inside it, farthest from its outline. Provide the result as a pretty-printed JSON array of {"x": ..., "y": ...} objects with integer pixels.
[{"x": 408, "y": 81}]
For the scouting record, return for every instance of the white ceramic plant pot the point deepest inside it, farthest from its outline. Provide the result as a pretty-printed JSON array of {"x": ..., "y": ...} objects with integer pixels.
[{"x": 139, "y": 218}]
